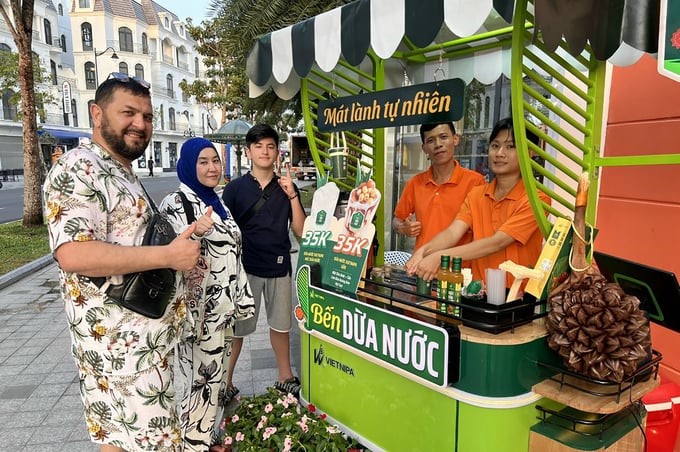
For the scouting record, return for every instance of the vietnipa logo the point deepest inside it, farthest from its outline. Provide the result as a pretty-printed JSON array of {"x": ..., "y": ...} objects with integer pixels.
[{"x": 320, "y": 359}]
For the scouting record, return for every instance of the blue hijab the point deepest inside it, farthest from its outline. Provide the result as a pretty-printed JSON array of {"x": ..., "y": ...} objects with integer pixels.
[{"x": 186, "y": 171}]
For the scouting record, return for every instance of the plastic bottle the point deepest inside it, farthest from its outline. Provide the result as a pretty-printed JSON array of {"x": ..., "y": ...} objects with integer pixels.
[
  {"x": 443, "y": 282},
  {"x": 455, "y": 285}
]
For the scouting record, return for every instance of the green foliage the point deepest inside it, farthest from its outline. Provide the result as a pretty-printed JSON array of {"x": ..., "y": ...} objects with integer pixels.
[
  {"x": 225, "y": 41},
  {"x": 9, "y": 80},
  {"x": 20, "y": 245}
]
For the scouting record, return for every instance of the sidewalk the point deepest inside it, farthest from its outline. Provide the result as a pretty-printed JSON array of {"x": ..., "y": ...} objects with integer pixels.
[{"x": 40, "y": 407}]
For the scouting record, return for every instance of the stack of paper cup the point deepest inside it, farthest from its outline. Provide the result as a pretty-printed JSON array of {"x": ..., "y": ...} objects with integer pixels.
[{"x": 495, "y": 286}]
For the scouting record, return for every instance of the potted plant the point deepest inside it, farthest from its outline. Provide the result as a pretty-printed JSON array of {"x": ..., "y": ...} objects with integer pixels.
[{"x": 277, "y": 422}]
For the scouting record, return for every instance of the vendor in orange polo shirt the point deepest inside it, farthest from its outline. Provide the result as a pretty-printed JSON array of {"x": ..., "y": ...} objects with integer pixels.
[
  {"x": 498, "y": 214},
  {"x": 431, "y": 199}
]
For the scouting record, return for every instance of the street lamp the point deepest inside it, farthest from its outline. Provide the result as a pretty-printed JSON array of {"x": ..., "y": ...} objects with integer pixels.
[{"x": 98, "y": 54}]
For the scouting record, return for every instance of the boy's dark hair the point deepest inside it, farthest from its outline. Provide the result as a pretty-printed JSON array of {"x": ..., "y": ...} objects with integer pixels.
[
  {"x": 506, "y": 124},
  {"x": 109, "y": 86},
  {"x": 259, "y": 132},
  {"x": 427, "y": 127}
]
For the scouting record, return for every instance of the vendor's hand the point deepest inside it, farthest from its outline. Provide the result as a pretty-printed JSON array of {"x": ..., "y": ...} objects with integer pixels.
[
  {"x": 286, "y": 182},
  {"x": 412, "y": 264},
  {"x": 428, "y": 267},
  {"x": 184, "y": 251},
  {"x": 204, "y": 224},
  {"x": 411, "y": 227}
]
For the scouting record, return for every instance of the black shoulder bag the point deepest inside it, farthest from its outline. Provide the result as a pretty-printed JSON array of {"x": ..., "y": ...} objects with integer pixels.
[
  {"x": 149, "y": 292},
  {"x": 266, "y": 194}
]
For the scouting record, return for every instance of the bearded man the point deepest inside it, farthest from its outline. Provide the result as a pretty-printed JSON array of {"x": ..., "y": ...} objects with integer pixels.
[{"x": 97, "y": 211}]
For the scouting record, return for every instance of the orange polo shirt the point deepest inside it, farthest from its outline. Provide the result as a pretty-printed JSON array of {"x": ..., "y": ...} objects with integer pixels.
[
  {"x": 436, "y": 205},
  {"x": 512, "y": 215}
]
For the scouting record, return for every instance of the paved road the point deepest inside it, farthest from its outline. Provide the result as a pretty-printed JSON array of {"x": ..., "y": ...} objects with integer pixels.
[{"x": 12, "y": 194}]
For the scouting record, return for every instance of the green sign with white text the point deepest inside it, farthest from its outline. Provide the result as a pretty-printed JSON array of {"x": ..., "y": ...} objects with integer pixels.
[{"x": 413, "y": 346}]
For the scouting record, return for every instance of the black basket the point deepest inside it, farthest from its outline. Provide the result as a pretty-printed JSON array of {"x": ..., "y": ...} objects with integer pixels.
[{"x": 479, "y": 314}]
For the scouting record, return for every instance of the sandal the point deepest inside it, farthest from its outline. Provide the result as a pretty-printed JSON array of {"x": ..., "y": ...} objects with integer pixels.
[
  {"x": 229, "y": 394},
  {"x": 290, "y": 386}
]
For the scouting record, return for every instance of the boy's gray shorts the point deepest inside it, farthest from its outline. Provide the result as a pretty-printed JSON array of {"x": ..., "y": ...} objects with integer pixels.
[{"x": 278, "y": 303}]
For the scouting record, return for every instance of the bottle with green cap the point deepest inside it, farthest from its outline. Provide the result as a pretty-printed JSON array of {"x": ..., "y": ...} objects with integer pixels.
[
  {"x": 455, "y": 285},
  {"x": 443, "y": 282}
]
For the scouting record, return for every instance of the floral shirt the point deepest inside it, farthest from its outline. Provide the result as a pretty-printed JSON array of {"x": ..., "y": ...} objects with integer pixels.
[
  {"x": 217, "y": 289},
  {"x": 88, "y": 195}
]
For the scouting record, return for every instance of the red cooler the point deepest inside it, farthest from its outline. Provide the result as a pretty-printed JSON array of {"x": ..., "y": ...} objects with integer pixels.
[{"x": 663, "y": 417}]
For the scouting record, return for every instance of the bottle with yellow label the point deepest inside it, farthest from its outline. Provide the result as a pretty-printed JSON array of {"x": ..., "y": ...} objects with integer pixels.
[
  {"x": 455, "y": 285},
  {"x": 443, "y": 283}
]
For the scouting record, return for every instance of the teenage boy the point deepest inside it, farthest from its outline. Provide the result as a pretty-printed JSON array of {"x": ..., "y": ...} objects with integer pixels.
[
  {"x": 266, "y": 206},
  {"x": 498, "y": 214},
  {"x": 431, "y": 199}
]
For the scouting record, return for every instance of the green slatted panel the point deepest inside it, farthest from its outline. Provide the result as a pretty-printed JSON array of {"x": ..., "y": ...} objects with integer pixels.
[
  {"x": 369, "y": 144},
  {"x": 571, "y": 118}
]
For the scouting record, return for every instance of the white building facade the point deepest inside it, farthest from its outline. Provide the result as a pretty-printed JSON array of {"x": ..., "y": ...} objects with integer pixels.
[{"x": 80, "y": 42}]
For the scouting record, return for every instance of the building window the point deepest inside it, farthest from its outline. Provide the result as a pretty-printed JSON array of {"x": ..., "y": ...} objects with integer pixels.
[
  {"x": 90, "y": 77},
  {"x": 48, "y": 31},
  {"x": 185, "y": 96},
  {"x": 53, "y": 72},
  {"x": 125, "y": 38},
  {"x": 86, "y": 34},
  {"x": 63, "y": 43},
  {"x": 4, "y": 47},
  {"x": 74, "y": 112},
  {"x": 66, "y": 119},
  {"x": 9, "y": 111},
  {"x": 167, "y": 23},
  {"x": 89, "y": 112},
  {"x": 84, "y": 3},
  {"x": 196, "y": 68},
  {"x": 123, "y": 67},
  {"x": 139, "y": 71},
  {"x": 487, "y": 111},
  {"x": 171, "y": 119},
  {"x": 145, "y": 44},
  {"x": 60, "y": 9},
  {"x": 161, "y": 113},
  {"x": 169, "y": 86}
]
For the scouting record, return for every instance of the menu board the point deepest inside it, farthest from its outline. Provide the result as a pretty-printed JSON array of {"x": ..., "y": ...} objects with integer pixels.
[{"x": 340, "y": 246}]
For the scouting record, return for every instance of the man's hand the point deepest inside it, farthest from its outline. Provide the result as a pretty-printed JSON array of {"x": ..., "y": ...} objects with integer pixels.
[
  {"x": 428, "y": 267},
  {"x": 412, "y": 264},
  {"x": 205, "y": 223},
  {"x": 411, "y": 227},
  {"x": 184, "y": 251},
  {"x": 286, "y": 182}
]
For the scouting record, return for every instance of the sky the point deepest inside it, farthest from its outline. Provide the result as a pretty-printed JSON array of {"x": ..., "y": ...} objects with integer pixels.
[{"x": 196, "y": 9}]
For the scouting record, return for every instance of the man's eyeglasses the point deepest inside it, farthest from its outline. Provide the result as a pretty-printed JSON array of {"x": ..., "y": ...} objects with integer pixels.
[{"x": 125, "y": 78}]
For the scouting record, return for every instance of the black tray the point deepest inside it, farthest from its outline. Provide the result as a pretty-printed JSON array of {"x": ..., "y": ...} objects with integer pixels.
[{"x": 479, "y": 314}]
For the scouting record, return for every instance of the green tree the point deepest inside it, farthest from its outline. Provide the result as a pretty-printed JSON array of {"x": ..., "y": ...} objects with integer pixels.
[
  {"x": 9, "y": 80},
  {"x": 225, "y": 41},
  {"x": 20, "y": 25}
]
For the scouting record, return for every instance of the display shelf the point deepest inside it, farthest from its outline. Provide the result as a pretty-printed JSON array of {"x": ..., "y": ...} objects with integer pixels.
[
  {"x": 598, "y": 396},
  {"x": 396, "y": 293}
]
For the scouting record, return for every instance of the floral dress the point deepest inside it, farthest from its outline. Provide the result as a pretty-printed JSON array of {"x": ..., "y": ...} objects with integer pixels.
[
  {"x": 126, "y": 382},
  {"x": 217, "y": 293}
]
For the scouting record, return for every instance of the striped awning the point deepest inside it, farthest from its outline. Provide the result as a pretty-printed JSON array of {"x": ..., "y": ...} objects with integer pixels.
[{"x": 620, "y": 31}]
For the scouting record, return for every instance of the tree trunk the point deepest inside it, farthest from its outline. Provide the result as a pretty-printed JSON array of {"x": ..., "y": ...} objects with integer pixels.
[
  {"x": 32, "y": 160},
  {"x": 21, "y": 27}
]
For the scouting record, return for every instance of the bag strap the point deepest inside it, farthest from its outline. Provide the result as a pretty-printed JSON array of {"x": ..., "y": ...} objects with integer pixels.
[
  {"x": 148, "y": 196},
  {"x": 266, "y": 194},
  {"x": 188, "y": 208}
]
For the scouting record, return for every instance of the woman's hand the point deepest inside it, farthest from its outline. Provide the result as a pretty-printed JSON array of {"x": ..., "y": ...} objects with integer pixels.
[
  {"x": 428, "y": 267},
  {"x": 204, "y": 224},
  {"x": 412, "y": 264}
]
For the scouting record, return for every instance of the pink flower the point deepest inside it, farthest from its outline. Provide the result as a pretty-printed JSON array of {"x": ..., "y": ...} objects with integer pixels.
[
  {"x": 263, "y": 421},
  {"x": 228, "y": 440},
  {"x": 287, "y": 444},
  {"x": 303, "y": 426},
  {"x": 311, "y": 408},
  {"x": 235, "y": 418},
  {"x": 323, "y": 416},
  {"x": 240, "y": 436},
  {"x": 269, "y": 431},
  {"x": 268, "y": 408},
  {"x": 675, "y": 39}
]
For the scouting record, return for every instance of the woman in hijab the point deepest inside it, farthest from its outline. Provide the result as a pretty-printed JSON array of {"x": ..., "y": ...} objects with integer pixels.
[{"x": 217, "y": 292}]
